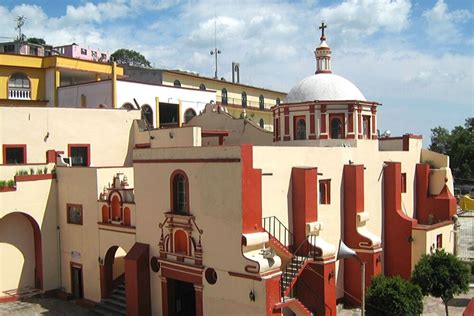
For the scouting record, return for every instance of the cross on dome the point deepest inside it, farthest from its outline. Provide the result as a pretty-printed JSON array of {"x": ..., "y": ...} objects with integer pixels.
[
  {"x": 322, "y": 27},
  {"x": 323, "y": 53}
]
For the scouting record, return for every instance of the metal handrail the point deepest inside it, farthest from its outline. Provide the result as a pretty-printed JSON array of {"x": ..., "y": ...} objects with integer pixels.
[
  {"x": 277, "y": 229},
  {"x": 303, "y": 253}
]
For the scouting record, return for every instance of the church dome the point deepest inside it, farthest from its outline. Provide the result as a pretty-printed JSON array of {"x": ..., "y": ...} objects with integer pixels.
[{"x": 324, "y": 86}]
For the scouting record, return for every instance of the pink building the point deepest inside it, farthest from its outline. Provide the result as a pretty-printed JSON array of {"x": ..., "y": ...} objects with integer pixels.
[{"x": 75, "y": 51}]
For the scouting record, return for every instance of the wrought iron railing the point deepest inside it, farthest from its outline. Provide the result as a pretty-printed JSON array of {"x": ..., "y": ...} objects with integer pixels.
[{"x": 277, "y": 229}]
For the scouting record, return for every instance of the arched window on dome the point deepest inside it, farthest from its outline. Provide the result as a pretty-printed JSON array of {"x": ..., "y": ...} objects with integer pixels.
[
  {"x": 224, "y": 96},
  {"x": 336, "y": 123},
  {"x": 299, "y": 131},
  {"x": 177, "y": 83},
  {"x": 202, "y": 86}
]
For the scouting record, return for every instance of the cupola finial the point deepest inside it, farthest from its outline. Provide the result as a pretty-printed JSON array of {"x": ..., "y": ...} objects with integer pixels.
[{"x": 323, "y": 53}]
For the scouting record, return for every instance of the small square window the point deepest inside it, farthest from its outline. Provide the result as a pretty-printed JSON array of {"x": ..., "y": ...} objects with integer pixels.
[
  {"x": 74, "y": 214},
  {"x": 14, "y": 154},
  {"x": 83, "y": 51},
  {"x": 325, "y": 191},
  {"x": 80, "y": 155},
  {"x": 404, "y": 183},
  {"x": 94, "y": 54},
  {"x": 439, "y": 241}
]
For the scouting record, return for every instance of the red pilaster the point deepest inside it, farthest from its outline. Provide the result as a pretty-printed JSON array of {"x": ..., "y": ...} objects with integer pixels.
[
  {"x": 350, "y": 122},
  {"x": 359, "y": 122},
  {"x": 323, "y": 131},
  {"x": 432, "y": 209},
  {"x": 137, "y": 280},
  {"x": 198, "y": 300},
  {"x": 272, "y": 295},
  {"x": 304, "y": 200},
  {"x": 164, "y": 296},
  {"x": 397, "y": 226},
  {"x": 251, "y": 192},
  {"x": 374, "y": 122},
  {"x": 316, "y": 288},
  {"x": 287, "y": 124},
  {"x": 369, "y": 253},
  {"x": 312, "y": 125}
]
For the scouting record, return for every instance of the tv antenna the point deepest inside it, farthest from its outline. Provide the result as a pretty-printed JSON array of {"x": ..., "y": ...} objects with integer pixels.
[
  {"x": 20, "y": 21},
  {"x": 215, "y": 51}
]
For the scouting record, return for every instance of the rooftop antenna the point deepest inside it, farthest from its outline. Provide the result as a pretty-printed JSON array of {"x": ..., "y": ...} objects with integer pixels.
[
  {"x": 216, "y": 51},
  {"x": 20, "y": 21}
]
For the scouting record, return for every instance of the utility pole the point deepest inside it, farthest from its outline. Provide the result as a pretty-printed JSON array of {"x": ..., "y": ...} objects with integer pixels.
[
  {"x": 20, "y": 21},
  {"x": 215, "y": 51}
]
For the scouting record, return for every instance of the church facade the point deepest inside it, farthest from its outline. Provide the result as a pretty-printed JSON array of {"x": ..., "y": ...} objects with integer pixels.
[{"x": 173, "y": 224}]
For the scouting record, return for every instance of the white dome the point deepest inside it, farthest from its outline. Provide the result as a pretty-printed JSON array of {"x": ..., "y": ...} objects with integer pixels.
[{"x": 326, "y": 87}]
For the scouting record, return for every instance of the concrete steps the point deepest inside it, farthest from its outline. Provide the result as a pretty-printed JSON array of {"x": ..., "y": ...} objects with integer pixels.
[{"x": 116, "y": 304}]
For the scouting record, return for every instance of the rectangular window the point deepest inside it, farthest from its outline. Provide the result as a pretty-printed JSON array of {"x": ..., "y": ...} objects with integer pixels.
[
  {"x": 74, "y": 214},
  {"x": 439, "y": 241},
  {"x": 94, "y": 54},
  {"x": 366, "y": 126},
  {"x": 79, "y": 154},
  {"x": 9, "y": 48},
  {"x": 325, "y": 191},
  {"x": 404, "y": 182},
  {"x": 83, "y": 51},
  {"x": 103, "y": 56},
  {"x": 14, "y": 154},
  {"x": 277, "y": 129},
  {"x": 299, "y": 127}
]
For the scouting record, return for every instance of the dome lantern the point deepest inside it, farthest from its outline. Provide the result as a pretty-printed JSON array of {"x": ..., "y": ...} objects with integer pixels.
[{"x": 323, "y": 54}]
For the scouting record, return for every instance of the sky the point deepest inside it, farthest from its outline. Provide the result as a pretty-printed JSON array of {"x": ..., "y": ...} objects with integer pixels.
[{"x": 414, "y": 57}]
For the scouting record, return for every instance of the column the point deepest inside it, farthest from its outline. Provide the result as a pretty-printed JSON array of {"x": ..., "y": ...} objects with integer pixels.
[
  {"x": 350, "y": 122},
  {"x": 312, "y": 127},
  {"x": 323, "y": 132},
  {"x": 359, "y": 122},
  {"x": 374, "y": 122},
  {"x": 287, "y": 124}
]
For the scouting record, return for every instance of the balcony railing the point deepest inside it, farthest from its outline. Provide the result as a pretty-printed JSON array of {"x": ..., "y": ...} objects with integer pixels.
[
  {"x": 249, "y": 104},
  {"x": 19, "y": 94}
]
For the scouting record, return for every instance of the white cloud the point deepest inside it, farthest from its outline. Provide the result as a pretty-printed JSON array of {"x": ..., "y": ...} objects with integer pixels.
[
  {"x": 365, "y": 17},
  {"x": 444, "y": 25}
]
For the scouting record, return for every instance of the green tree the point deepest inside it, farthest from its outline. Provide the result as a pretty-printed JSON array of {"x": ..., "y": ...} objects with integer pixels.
[
  {"x": 441, "y": 275},
  {"x": 393, "y": 296},
  {"x": 36, "y": 40},
  {"x": 130, "y": 57},
  {"x": 458, "y": 145}
]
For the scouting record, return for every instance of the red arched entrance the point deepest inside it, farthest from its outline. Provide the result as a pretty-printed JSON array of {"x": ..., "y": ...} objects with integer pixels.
[
  {"x": 14, "y": 221},
  {"x": 112, "y": 270}
]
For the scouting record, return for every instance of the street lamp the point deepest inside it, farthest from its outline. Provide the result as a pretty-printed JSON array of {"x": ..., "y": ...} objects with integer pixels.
[
  {"x": 345, "y": 252},
  {"x": 215, "y": 52}
]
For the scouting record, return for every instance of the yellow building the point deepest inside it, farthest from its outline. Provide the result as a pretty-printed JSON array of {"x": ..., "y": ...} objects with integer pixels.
[
  {"x": 34, "y": 80},
  {"x": 236, "y": 97}
]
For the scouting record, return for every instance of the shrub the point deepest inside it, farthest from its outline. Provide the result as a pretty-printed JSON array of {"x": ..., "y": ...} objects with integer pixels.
[
  {"x": 393, "y": 296},
  {"x": 441, "y": 275}
]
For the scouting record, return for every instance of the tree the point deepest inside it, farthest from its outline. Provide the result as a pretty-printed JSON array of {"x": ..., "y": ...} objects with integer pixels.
[
  {"x": 36, "y": 40},
  {"x": 441, "y": 275},
  {"x": 458, "y": 145},
  {"x": 130, "y": 57},
  {"x": 393, "y": 296}
]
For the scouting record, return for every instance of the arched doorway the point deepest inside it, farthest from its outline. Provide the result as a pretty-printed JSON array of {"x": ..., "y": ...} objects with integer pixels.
[
  {"x": 21, "y": 258},
  {"x": 112, "y": 271}
]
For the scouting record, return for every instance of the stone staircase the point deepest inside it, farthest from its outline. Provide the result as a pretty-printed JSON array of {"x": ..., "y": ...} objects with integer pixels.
[
  {"x": 295, "y": 306},
  {"x": 115, "y": 304}
]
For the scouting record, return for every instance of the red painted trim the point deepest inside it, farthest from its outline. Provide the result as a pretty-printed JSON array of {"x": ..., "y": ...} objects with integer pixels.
[
  {"x": 326, "y": 184},
  {"x": 359, "y": 120},
  {"x": 432, "y": 209},
  {"x": 143, "y": 145},
  {"x": 137, "y": 280},
  {"x": 312, "y": 137},
  {"x": 287, "y": 121},
  {"x": 304, "y": 200},
  {"x": 469, "y": 309},
  {"x": 244, "y": 276},
  {"x": 286, "y": 138},
  {"x": 7, "y": 146},
  {"x": 312, "y": 127},
  {"x": 397, "y": 226},
  {"x": 35, "y": 177},
  {"x": 7, "y": 189},
  {"x": 197, "y": 160},
  {"x": 88, "y": 146},
  {"x": 273, "y": 297},
  {"x": 251, "y": 192}
]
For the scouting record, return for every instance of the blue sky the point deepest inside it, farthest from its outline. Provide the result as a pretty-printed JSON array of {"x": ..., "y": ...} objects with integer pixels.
[{"x": 414, "y": 57}]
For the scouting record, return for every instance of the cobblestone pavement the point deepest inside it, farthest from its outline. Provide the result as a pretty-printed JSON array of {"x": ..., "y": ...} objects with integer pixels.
[{"x": 43, "y": 306}]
